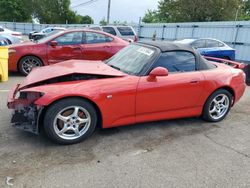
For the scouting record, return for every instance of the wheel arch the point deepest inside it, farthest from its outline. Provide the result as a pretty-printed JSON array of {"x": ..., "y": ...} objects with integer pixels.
[
  {"x": 98, "y": 111},
  {"x": 19, "y": 60},
  {"x": 227, "y": 88}
]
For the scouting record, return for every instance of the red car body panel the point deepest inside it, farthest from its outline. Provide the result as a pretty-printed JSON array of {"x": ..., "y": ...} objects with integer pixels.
[
  {"x": 50, "y": 55},
  {"x": 124, "y": 99},
  {"x": 118, "y": 111},
  {"x": 67, "y": 68}
]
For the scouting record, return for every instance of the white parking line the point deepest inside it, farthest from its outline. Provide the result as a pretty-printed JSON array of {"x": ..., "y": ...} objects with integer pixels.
[{"x": 4, "y": 90}]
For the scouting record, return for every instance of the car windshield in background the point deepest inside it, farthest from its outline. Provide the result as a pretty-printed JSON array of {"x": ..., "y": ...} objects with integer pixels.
[
  {"x": 49, "y": 36},
  {"x": 109, "y": 30},
  {"x": 125, "y": 31},
  {"x": 131, "y": 59}
]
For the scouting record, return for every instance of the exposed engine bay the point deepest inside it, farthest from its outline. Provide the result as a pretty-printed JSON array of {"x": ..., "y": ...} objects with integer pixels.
[{"x": 71, "y": 77}]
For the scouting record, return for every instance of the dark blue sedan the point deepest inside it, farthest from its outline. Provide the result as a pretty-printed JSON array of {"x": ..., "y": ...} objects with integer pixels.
[{"x": 211, "y": 47}]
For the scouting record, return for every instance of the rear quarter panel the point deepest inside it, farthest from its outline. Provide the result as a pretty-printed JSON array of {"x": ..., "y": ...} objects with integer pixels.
[
  {"x": 222, "y": 77},
  {"x": 238, "y": 83}
]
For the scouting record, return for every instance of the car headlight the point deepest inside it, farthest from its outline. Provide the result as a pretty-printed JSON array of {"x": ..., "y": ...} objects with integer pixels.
[{"x": 30, "y": 95}]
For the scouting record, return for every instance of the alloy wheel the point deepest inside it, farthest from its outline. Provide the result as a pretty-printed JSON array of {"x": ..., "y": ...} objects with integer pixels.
[
  {"x": 72, "y": 122},
  {"x": 29, "y": 63},
  {"x": 219, "y": 106}
]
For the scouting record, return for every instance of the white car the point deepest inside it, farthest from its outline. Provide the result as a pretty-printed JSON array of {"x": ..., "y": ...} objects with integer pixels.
[
  {"x": 124, "y": 32},
  {"x": 10, "y": 32},
  {"x": 12, "y": 37}
]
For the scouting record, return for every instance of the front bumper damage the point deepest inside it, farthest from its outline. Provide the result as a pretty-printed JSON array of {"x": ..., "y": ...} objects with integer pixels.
[{"x": 25, "y": 115}]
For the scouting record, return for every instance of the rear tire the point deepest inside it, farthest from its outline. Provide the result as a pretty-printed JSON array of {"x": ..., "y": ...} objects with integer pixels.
[
  {"x": 27, "y": 63},
  {"x": 9, "y": 42},
  {"x": 217, "y": 106},
  {"x": 70, "y": 121}
]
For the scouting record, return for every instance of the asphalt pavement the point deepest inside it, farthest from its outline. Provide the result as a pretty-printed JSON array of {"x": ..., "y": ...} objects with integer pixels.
[{"x": 177, "y": 153}]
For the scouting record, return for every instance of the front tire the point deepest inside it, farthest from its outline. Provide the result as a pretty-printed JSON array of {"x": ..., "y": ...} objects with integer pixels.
[
  {"x": 217, "y": 106},
  {"x": 70, "y": 121},
  {"x": 27, "y": 63}
]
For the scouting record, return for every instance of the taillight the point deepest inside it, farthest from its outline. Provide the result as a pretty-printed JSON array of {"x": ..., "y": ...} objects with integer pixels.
[
  {"x": 16, "y": 34},
  {"x": 136, "y": 38}
]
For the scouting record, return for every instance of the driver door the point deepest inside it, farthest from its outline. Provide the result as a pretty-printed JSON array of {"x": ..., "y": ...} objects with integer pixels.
[
  {"x": 68, "y": 47},
  {"x": 97, "y": 46},
  {"x": 163, "y": 97}
]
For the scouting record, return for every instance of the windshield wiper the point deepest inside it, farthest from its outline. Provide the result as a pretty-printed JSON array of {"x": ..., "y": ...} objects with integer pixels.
[{"x": 117, "y": 68}]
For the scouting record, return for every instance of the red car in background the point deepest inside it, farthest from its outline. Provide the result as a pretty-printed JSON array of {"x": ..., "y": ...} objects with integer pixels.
[{"x": 64, "y": 45}]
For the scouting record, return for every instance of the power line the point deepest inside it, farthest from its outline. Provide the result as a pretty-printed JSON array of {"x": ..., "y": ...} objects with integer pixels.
[
  {"x": 84, "y": 3},
  {"x": 92, "y": 1}
]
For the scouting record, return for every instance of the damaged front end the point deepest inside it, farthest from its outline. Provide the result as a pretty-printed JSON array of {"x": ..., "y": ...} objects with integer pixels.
[{"x": 25, "y": 114}]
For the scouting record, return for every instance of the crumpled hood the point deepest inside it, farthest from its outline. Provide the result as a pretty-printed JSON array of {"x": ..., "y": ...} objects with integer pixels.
[{"x": 67, "y": 68}]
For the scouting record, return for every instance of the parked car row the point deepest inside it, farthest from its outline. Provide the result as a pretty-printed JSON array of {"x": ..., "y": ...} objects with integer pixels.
[
  {"x": 56, "y": 44},
  {"x": 206, "y": 46},
  {"x": 64, "y": 45},
  {"x": 124, "y": 32}
]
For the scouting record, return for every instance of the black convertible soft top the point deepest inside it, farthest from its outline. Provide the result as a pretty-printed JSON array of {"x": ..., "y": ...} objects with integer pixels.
[{"x": 164, "y": 46}]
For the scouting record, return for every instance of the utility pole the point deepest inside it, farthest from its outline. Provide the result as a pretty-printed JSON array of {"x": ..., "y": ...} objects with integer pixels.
[{"x": 108, "y": 15}]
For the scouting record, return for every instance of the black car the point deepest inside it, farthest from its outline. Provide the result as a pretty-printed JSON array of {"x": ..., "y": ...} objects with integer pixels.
[{"x": 36, "y": 35}]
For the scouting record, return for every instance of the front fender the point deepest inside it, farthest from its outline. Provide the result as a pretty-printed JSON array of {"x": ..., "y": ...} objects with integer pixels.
[{"x": 54, "y": 92}]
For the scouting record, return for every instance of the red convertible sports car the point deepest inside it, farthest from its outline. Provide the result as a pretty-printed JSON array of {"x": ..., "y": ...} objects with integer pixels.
[
  {"x": 143, "y": 82},
  {"x": 61, "y": 46}
]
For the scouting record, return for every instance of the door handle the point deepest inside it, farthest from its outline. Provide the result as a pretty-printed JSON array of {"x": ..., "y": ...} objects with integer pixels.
[
  {"x": 194, "y": 81},
  {"x": 76, "y": 48}
]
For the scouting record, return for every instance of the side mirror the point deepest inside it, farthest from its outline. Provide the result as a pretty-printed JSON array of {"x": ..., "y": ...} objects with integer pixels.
[
  {"x": 53, "y": 43},
  {"x": 158, "y": 71}
]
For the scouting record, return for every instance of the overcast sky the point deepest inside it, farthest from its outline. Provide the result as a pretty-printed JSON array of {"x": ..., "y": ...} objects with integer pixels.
[{"x": 121, "y": 10}]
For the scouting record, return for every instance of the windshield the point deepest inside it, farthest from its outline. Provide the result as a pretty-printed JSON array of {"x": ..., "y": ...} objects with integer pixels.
[
  {"x": 48, "y": 36},
  {"x": 125, "y": 31},
  {"x": 131, "y": 59}
]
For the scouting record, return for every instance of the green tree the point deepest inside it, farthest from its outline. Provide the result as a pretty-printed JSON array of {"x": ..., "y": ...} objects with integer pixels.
[
  {"x": 86, "y": 20},
  {"x": 103, "y": 22},
  {"x": 244, "y": 13},
  {"x": 53, "y": 11},
  {"x": 46, "y": 11},
  {"x": 57, "y": 12},
  {"x": 15, "y": 10},
  {"x": 151, "y": 16},
  {"x": 193, "y": 11}
]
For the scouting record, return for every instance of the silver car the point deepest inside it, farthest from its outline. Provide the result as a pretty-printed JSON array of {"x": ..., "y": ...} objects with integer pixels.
[{"x": 124, "y": 32}]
